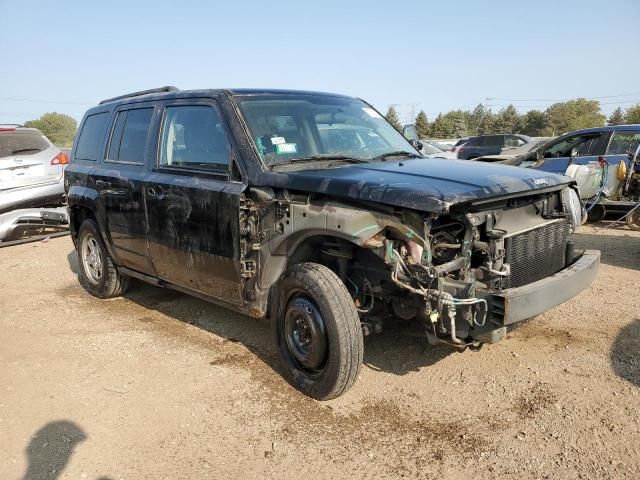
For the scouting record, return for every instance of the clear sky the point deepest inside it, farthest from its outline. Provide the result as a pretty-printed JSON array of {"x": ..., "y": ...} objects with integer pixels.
[{"x": 67, "y": 55}]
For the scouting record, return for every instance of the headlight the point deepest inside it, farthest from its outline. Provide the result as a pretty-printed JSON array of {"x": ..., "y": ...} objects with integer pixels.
[{"x": 573, "y": 208}]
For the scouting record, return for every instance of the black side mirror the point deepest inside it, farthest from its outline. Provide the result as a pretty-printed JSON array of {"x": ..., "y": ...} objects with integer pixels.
[{"x": 417, "y": 144}]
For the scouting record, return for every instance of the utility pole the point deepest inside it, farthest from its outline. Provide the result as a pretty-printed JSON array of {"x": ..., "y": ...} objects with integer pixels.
[
  {"x": 487, "y": 105},
  {"x": 412, "y": 112}
]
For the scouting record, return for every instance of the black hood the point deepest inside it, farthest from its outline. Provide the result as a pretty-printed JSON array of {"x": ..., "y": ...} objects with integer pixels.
[{"x": 432, "y": 184}]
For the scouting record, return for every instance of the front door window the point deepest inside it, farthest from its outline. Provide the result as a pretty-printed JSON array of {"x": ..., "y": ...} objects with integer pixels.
[{"x": 194, "y": 137}]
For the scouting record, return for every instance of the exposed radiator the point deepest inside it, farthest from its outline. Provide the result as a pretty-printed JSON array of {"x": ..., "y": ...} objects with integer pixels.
[{"x": 536, "y": 253}]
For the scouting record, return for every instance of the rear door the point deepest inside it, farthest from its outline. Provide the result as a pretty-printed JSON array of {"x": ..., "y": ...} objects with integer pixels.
[
  {"x": 492, "y": 145},
  {"x": 119, "y": 182},
  {"x": 579, "y": 149},
  {"x": 193, "y": 205}
]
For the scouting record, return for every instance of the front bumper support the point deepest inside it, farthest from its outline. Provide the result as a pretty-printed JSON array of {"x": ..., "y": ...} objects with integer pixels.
[{"x": 516, "y": 304}]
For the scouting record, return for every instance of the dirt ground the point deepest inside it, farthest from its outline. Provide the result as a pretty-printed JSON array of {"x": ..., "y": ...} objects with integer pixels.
[{"x": 161, "y": 385}]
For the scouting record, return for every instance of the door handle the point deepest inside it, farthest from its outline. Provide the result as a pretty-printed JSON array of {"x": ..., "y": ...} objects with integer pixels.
[{"x": 151, "y": 192}]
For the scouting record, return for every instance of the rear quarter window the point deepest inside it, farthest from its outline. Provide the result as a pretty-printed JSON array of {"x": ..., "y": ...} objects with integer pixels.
[
  {"x": 623, "y": 142},
  {"x": 91, "y": 136},
  {"x": 22, "y": 143}
]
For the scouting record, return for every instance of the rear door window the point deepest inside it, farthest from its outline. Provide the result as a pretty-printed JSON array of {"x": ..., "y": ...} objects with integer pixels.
[
  {"x": 492, "y": 141},
  {"x": 22, "y": 142},
  {"x": 512, "y": 141},
  {"x": 91, "y": 136},
  {"x": 474, "y": 142},
  {"x": 623, "y": 142},
  {"x": 129, "y": 137}
]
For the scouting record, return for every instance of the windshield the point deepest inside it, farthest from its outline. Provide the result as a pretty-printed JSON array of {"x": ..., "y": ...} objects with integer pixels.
[
  {"x": 429, "y": 149},
  {"x": 25, "y": 142},
  {"x": 297, "y": 127},
  {"x": 526, "y": 148}
]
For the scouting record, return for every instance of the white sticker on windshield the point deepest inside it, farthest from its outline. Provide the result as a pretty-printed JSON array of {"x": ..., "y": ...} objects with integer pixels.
[
  {"x": 371, "y": 112},
  {"x": 286, "y": 148},
  {"x": 277, "y": 140}
]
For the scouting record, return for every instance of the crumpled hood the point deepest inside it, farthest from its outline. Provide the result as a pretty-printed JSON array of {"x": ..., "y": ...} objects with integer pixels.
[{"x": 431, "y": 184}]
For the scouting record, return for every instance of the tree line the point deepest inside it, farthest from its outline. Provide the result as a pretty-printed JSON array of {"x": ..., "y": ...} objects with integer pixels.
[{"x": 559, "y": 118}]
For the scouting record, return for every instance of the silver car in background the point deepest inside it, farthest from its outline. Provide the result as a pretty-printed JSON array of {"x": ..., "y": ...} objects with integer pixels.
[
  {"x": 31, "y": 169},
  {"x": 31, "y": 177}
]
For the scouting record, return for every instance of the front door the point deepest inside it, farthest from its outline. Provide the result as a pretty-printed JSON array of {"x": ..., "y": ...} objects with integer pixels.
[
  {"x": 579, "y": 149},
  {"x": 193, "y": 206},
  {"x": 119, "y": 183}
]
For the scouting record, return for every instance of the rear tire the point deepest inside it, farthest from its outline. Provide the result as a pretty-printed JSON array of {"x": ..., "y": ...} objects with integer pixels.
[
  {"x": 317, "y": 330},
  {"x": 98, "y": 274}
]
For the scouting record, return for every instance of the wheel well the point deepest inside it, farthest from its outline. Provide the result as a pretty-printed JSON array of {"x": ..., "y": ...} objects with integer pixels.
[
  {"x": 323, "y": 249},
  {"x": 79, "y": 214}
]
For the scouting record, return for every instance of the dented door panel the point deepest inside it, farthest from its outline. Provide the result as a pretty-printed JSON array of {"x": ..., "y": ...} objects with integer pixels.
[{"x": 194, "y": 232}]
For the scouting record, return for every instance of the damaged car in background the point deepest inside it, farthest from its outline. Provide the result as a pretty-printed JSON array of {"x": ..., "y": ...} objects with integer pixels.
[
  {"x": 31, "y": 185},
  {"x": 311, "y": 210}
]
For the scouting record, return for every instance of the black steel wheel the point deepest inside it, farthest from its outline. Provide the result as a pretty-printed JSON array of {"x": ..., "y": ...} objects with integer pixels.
[
  {"x": 317, "y": 331},
  {"x": 305, "y": 334}
]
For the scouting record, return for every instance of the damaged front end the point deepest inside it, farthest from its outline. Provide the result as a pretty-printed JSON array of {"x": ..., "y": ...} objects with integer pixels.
[
  {"x": 464, "y": 275},
  {"x": 464, "y": 269}
]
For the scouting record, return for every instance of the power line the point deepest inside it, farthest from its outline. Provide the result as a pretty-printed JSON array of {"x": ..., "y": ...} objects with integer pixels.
[
  {"x": 35, "y": 100},
  {"x": 558, "y": 99}
]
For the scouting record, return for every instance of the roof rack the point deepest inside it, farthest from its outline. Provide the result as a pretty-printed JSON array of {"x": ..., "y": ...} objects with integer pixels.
[
  {"x": 142, "y": 92},
  {"x": 2, "y": 125}
]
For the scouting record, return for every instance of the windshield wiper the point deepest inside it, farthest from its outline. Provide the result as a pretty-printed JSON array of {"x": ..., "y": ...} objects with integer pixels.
[
  {"x": 20, "y": 150},
  {"x": 312, "y": 158},
  {"x": 398, "y": 153}
]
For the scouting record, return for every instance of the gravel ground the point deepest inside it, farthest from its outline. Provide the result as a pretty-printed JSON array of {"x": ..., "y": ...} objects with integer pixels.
[{"x": 161, "y": 385}]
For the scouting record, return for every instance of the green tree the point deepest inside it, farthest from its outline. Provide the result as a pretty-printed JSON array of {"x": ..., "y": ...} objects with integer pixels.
[
  {"x": 422, "y": 125},
  {"x": 393, "y": 119},
  {"x": 57, "y": 127},
  {"x": 487, "y": 124},
  {"x": 616, "y": 117},
  {"x": 534, "y": 123},
  {"x": 458, "y": 124},
  {"x": 573, "y": 115},
  {"x": 632, "y": 114},
  {"x": 439, "y": 128},
  {"x": 508, "y": 120},
  {"x": 474, "y": 119}
]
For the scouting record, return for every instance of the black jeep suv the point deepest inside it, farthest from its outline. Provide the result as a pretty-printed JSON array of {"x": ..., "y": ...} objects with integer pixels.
[{"x": 311, "y": 210}]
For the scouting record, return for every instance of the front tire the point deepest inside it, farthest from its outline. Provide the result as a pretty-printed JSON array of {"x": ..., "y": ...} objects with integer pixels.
[
  {"x": 596, "y": 214},
  {"x": 98, "y": 274},
  {"x": 317, "y": 331}
]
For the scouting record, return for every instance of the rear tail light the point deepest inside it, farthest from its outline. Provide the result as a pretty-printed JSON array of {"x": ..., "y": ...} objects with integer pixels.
[
  {"x": 453, "y": 149},
  {"x": 460, "y": 150},
  {"x": 60, "y": 159}
]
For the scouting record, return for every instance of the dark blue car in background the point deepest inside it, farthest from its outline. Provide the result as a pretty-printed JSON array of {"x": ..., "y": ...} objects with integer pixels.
[{"x": 482, "y": 145}]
